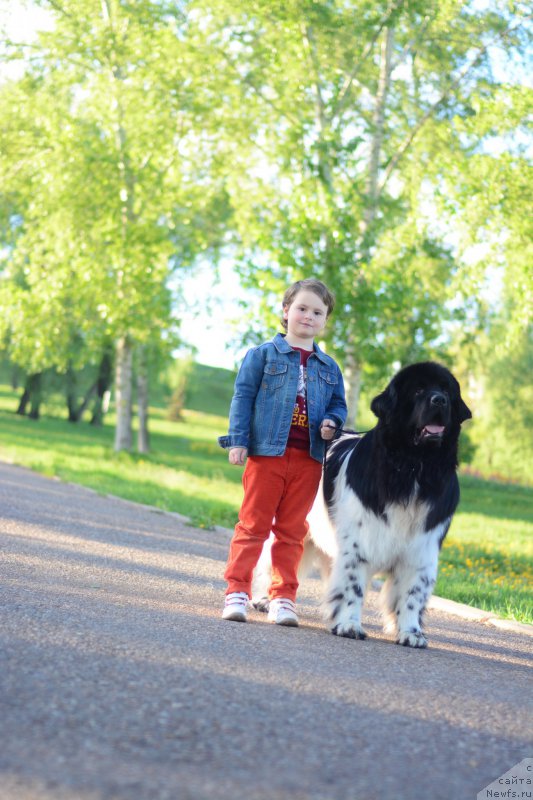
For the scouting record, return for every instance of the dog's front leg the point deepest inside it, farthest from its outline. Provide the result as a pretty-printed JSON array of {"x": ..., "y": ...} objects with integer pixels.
[
  {"x": 412, "y": 591},
  {"x": 344, "y": 600}
]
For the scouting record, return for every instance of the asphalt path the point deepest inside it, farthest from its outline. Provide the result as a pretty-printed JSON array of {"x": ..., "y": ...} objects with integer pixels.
[{"x": 118, "y": 679}]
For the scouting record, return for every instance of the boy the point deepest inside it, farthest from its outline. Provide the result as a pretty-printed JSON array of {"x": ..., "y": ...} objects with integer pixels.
[{"x": 288, "y": 399}]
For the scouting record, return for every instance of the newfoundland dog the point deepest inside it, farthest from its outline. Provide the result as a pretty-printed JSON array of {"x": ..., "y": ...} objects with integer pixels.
[{"x": 386, "y": 503}]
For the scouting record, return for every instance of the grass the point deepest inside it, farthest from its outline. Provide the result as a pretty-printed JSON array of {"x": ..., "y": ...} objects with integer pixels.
[{"x": 487, "y": 558}]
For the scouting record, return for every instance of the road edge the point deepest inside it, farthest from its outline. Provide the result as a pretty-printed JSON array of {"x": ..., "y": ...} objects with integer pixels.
[{"x": 436, "y": 603}]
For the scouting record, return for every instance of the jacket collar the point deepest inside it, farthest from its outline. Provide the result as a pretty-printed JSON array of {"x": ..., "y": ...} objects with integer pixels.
[{"x": 283, "y": 347}]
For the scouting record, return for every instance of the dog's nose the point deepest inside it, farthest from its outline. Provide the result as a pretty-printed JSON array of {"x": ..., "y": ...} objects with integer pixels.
[{"x": 438, "y": 399}]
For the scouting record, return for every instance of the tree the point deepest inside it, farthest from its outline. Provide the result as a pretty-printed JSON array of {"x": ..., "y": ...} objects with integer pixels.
[
  {"x": 107, "y": 174},
  {"x": 350, "y": 115}
]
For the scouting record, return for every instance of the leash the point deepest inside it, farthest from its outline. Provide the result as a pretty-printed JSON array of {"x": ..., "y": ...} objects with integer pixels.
[{"x": 339, "y": 431}]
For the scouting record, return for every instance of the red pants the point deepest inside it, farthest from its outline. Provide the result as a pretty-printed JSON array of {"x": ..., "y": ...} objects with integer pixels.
[{"x": 278, "y": 494}]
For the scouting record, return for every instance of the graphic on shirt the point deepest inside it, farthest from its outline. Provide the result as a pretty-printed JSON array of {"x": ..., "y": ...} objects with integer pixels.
[
  {"x": 299, "y": 415},
  {"x": 299, "y": 431}
]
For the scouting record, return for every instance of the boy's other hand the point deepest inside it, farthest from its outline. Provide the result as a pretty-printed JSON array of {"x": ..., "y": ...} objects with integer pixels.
[
  {"x": 237, "y": 455},
  {"x": 327, "y": 429}
]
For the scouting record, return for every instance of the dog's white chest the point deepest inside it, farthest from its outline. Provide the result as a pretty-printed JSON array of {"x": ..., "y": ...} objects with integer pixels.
[
  {"x": 382, "y": 540},
  {"x": 408, "y": 520}
]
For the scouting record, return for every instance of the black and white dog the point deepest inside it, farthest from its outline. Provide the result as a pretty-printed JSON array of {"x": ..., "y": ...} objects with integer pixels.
[{"x": 386, "y": 504}]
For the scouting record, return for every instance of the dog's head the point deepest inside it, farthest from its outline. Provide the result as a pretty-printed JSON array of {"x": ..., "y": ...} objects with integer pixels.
[{"x": 422, "y": 405}]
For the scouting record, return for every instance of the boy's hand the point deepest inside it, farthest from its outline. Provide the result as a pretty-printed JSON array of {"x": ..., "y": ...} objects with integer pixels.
[
  {"x": 327, "y": 429},
  {"x": 237, "y": 455}
]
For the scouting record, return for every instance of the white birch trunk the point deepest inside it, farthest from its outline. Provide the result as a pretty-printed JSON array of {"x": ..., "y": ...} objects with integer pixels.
[
  {"x": 352, "y": 364},
  {"x": 372, "y": 188},
  {"x": 352, "y": 380},
  {"x": 143, "y": 437},
  {"x": 123, "y": 385}
]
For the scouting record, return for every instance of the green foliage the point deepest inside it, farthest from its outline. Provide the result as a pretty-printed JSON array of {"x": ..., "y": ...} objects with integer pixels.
[
  {"x": 490, "y": 564},
  {"x": 364, "y": 152},
  {"x": 106, "y": 186},
  {"x": 381, "y": 147},
  {"x": 502, "y": 430}
]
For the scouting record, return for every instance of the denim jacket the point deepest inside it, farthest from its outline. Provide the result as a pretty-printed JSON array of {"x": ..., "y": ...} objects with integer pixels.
[{"x": 265, "y": 393}]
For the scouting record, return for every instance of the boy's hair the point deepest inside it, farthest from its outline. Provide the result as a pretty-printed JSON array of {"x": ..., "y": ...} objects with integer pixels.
[{"x": 311, "y": 285}]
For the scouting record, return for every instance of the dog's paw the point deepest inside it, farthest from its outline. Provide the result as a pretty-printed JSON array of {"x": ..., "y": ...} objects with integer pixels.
[
  {"x": 349, "y": 630},
  {"x": 261, "y": 603},
  {"x": 412, "y": 639}
]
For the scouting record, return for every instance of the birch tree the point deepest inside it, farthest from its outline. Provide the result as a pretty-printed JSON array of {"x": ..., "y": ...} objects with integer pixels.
[
  {"x": 106, "y": 181},
  {"x": 351, "y": 115}
]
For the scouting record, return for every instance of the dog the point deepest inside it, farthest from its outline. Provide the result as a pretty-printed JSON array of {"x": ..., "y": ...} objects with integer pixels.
[{"x": 386, "y": 503}]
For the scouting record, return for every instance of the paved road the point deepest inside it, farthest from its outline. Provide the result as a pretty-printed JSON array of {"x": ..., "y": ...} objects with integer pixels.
[{"x": 119, "y": 680}]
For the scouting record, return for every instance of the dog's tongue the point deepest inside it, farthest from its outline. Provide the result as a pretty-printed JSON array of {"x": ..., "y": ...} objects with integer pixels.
[{"x": 434, "y": 428}]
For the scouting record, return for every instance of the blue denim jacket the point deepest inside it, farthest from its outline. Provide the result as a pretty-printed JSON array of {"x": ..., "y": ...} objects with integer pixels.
[{"x": 265, "y": 393}]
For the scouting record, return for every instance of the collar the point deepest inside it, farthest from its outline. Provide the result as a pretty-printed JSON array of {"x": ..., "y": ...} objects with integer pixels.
[{"x": 283, "y": 347}]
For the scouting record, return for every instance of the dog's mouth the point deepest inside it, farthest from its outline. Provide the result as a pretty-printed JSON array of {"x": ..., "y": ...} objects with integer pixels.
[{"x": 430, "y": 433}]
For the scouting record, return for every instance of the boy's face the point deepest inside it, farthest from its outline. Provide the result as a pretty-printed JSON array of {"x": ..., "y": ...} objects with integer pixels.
[{"x": 306, "y": 316}]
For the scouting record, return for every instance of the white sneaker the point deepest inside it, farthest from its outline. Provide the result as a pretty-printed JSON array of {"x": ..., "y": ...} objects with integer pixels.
[
  {"x": 235, "y": 607},
  {"x": 283, "y": 612}
]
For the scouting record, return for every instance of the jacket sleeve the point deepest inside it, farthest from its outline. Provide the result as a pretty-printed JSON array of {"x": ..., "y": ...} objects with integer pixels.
[
  {"x": 337, "y": 409},
  {"x": 247, "y": 384}
]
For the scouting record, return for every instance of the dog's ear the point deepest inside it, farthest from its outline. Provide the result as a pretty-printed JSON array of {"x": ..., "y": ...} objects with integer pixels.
[
  {"x": 464, "y": 411},
  {"x": 384, "y": 404}
]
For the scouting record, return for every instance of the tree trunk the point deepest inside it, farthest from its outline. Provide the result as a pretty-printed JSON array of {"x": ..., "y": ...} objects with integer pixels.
[
  {"x": 123, "y": 380},
  {"x": 23, "y": 402},
  {"x": 143, "y": 438},
  {"x": 15, "y": 376},
  {"x": 86, "y": 400},
  {"x": 372, "y": 187},
  {"x": 72, "y": 385},
  {"x": 105, "y": 375},
  {"x": 35, "y": 390},
  {"x": 352, "y": 364},
  {"x": 32, "y": 394},
  {"x": 352, "y": 378}
]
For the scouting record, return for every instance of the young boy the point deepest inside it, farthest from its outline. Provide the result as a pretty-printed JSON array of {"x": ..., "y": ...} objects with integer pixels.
[{"x": 288, "y": 399}]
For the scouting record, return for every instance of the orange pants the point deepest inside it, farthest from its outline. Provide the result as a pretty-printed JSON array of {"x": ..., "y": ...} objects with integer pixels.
[{"x": 278, "y": 494}]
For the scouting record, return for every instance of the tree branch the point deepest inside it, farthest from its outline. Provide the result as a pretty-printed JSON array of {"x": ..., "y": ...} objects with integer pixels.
[
  {"x": 60, "y": 8},
  {"x": 352, "y": 78},
  {"x": 320, "y": 105},
  {"x": 404, "y": 147}
]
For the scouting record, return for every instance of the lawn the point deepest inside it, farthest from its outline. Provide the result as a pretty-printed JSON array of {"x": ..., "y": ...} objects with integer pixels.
[{"x": 487, "y": 558}]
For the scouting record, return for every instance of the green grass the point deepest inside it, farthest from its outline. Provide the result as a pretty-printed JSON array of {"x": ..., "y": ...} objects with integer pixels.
[
  {"x": 210, "y": 389},
  {"x": 487, "y": 558}
]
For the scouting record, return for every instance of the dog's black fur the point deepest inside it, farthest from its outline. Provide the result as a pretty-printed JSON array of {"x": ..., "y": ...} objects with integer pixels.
[{"x": 390, "y": 497}]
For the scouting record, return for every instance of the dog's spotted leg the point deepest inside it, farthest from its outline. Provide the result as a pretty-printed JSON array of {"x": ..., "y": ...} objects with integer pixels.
[
  {"x": 414, "y": 589},
  {"x": 344, "y": 601}
]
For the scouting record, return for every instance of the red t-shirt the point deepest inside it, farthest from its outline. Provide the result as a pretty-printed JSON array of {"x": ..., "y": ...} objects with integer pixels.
[{"x": 299, "y": 431}]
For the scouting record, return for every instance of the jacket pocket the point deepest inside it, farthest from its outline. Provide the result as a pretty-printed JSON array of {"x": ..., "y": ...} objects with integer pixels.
[
  {"x": 274, "y": 375},
  {"x": 330, "y": 378}
]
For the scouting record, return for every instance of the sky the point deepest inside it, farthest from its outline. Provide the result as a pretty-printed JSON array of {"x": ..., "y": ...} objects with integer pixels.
[{"x": 210, "y": 313}]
